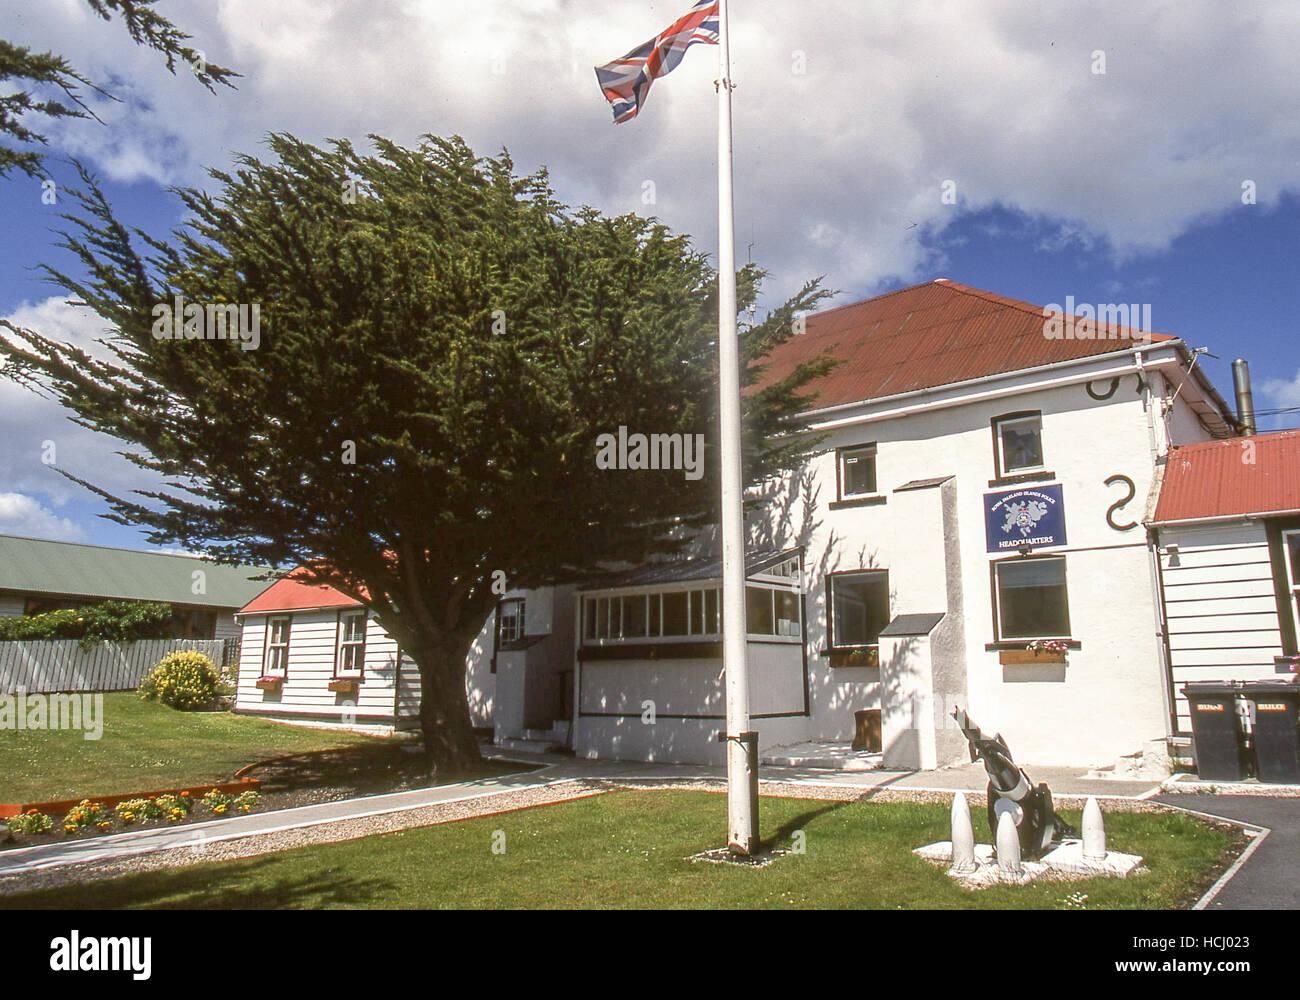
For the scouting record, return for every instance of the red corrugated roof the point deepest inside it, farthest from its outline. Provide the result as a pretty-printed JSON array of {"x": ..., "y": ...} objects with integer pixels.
[
  {"x": 1254, "y": 475},
  {"x": 926, "y": 336},
  {"x": 291, "y": 594}
]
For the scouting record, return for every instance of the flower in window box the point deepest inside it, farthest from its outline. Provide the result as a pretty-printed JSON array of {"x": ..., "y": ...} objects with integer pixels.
[
  {"x": 344, "y": 685},
  {"x": 269, "y": 682},
  {"x": 1038, "y": 651}
]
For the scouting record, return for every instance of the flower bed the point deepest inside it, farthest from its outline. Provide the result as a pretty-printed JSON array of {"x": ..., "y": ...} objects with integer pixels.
[
  {"x": 88, "y": 816},
  {"x": 8, "y": 810}
]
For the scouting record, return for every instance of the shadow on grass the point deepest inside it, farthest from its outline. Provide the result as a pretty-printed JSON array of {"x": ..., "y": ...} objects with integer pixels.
[
  {"x": 787, "y": 829},
  {"x": 360, "y": 770},
  {"x": 189, "y": 888}
]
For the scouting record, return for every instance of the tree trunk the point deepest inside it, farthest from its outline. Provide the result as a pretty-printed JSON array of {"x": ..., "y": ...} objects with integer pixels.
[{"x": 450, "y": 746}]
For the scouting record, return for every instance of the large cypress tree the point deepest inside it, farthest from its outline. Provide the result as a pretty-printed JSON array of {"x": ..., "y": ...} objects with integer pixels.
[{"x": 440, "y": 345}]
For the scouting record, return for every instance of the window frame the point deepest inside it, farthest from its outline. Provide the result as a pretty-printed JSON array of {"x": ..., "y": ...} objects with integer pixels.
[
  {"x": 340, "y": 643},
  {"x": 701, "y": 608},
  {"x": 268, "y": 647},
  {"x": 833, "y": 645},
  {"x": 1001, "y": 472},
  {"x": 502, "y": 639},
  {"x": 841, "y": 478},
  {"x": 996, "y": 586},
  {"x": 1291, "y": 579}
]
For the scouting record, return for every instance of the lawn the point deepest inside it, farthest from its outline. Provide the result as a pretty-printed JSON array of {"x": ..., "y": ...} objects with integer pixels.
[
  {"x": 146, "y": 746},
  {"x": 627, "y": 849}
]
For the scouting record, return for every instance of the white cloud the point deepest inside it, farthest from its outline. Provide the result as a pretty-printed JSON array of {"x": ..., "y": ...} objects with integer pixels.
[
  {"x": 1280, "y": 392},
  {"x": 39, "y": 435},
  {"x": 838, "y": 169},
  {"x": 24, "y": 515}
]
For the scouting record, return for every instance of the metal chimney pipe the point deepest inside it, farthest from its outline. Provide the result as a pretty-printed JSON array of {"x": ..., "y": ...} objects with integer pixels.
[{"x": 1245, "y": 401}]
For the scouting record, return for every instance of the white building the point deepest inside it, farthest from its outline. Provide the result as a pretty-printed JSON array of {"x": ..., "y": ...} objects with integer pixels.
[{"x": 982, "y": 485}]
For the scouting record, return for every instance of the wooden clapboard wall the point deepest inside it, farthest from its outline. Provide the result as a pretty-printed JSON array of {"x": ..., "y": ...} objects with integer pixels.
[{"x": 1220, "y": 607}]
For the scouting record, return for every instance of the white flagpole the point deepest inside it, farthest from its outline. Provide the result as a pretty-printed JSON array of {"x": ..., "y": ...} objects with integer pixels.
[{"x": 742, "y": 785}]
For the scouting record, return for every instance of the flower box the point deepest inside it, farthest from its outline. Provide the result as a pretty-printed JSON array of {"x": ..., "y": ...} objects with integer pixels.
[
  {"x": 269, "y": 683},
  {"x": 1013, "y": 656},
  {"x": 343, "y": 685},
  {"x": 868, "y": 656}
]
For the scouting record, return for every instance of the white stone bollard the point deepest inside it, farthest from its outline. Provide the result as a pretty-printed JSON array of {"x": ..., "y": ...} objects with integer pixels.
[
  {"x": 963, "y": 837},
  {"x": 1094, "y": 832},
  {"x": 1008, "y": 845}
]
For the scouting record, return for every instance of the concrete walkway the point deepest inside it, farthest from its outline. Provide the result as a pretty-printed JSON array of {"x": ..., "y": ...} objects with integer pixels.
[
  {"x": 195, "y": 836},
  {"x": 1067, "y": 784}
]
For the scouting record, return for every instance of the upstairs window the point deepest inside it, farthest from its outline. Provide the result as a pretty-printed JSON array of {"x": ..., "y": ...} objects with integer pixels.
[
  {"x": 1032, "y": 602},
  {"x": 510, "y": 621},
  {"x": 275, "y": 660},
  {"x": 1018, "y": 443},
  {"x": 857, "y": 472},
  {"x": 351, "y": 654},
  {"x": 859, "y": 608}
]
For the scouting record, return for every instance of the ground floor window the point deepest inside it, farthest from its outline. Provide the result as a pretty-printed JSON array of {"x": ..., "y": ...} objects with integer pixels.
[
  {"x": 1031, "y": 599},
  {"x": 351, "y": 654},
  {"x": 859, "y": 604},
  {"x": 510, "y": 621},
  {"x": 772, "y": 609},
  {"x": 275, "y": 660}
]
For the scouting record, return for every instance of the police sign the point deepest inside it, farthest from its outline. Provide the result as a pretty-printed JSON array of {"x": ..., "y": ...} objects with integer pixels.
[{"x": 1031, "y": 516}]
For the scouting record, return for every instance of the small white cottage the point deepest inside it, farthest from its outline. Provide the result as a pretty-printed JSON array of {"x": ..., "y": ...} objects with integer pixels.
[{"x": 311, "y": 654}]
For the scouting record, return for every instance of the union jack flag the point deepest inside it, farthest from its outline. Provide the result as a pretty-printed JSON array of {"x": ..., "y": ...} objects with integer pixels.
[{"x": 626, "y": 82}]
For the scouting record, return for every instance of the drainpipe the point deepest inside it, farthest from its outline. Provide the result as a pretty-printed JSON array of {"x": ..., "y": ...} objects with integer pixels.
[
  {"x": 1153, "y": 551},
  {"x": 1245, "y": 399}
]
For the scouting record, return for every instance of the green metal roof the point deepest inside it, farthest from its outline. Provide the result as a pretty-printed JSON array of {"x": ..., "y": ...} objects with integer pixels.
[{"x": 39, "y": 566}]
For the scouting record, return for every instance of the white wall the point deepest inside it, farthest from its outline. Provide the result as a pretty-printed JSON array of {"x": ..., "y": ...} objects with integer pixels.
[
  {"x": 312, "y": 638},
  {"x": 1109, "y": 698},
  {"x": 613, "y": 696}
]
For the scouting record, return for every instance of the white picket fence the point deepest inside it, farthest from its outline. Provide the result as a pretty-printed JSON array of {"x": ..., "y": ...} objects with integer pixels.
[{"x": 63, "y": 665}]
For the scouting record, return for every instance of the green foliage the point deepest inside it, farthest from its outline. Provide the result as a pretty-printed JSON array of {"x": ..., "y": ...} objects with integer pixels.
[
  {"x": 32, "y": 821},
  {"x": 246, "y": 802},
  {"x": 174, "y": 807},
  {"x": 108, "y": 621},
  {"x": 185, "y": 679},
  {"x": 87, "y": 815},
  {"x": 44, "y": 73},
  {"x": 218, "y": 801},
  {"x": 442, "y": 345},
  {"x": 133, "y": 810}
]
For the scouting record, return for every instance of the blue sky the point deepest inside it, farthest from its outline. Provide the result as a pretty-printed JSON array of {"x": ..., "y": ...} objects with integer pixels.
[{"x": 1118, "y": 186}]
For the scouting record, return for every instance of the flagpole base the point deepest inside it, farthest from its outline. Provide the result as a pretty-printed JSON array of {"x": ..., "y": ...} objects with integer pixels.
[{"x": 742, "y": 792}]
